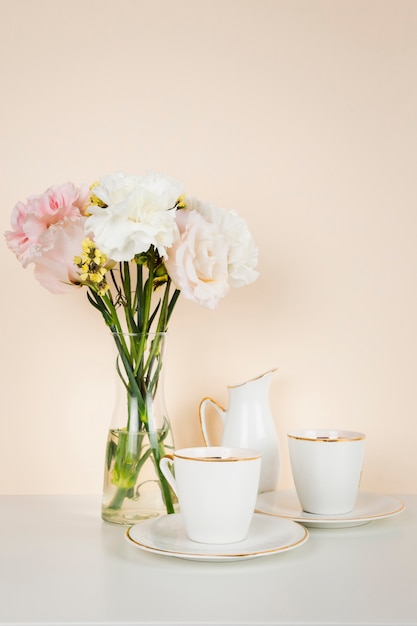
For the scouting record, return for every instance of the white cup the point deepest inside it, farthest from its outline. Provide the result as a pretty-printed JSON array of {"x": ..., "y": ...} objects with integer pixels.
[
  {"x": 326, "y": 466},
  {"x": 217, "y": 489}
]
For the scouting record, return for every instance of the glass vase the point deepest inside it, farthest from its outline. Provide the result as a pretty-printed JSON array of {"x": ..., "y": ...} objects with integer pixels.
[{"x": 140, "y": 434}]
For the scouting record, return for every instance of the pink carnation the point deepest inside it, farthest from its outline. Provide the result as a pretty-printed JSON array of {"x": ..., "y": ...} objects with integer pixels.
[{"x": 48, "y": 231}]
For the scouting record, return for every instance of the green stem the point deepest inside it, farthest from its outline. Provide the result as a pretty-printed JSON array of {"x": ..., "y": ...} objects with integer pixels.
[
  {"x": 133, "y": 299},
  {"x": 166, "y": 491},
  {"x": 118, "y": 498}
]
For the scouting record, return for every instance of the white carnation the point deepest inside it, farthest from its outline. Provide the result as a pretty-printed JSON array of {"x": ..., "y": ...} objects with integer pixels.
[{"x": 139, "y": 214}]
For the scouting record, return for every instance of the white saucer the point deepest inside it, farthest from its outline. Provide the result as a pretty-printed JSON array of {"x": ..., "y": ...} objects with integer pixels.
[
  {"x": 166, "y": 535},
  {"x": 368, "y": 507}
]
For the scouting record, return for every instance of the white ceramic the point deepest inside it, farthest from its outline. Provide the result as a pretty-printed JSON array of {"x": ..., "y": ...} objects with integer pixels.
[
  {"x": 216, "y": 489},
  {"x": 167, "y": 536},
  {"x": 369, "y": 507},
  {"x": 248, "y": 423},
  {"x": 326, "y": 466}
]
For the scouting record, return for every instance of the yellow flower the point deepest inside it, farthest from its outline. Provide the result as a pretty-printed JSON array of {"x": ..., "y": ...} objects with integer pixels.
[
  {"x": 103, "y": 289},
  {"x": 87, "y": 245},
  {"x": 92, "y": 264},
  {"x": 94, "y": 200}
]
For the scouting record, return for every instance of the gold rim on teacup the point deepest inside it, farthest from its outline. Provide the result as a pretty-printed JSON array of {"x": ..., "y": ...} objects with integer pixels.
[
  {"x": 217, "y": 453},
  {"x": 326, "y": 435}
]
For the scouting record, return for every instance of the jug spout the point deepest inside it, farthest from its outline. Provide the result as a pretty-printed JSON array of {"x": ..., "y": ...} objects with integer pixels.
[{"x": 262, "y": 378}]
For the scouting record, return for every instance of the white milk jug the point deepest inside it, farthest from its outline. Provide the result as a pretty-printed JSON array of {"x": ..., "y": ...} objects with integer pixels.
[{"x": 248, "y": 423}]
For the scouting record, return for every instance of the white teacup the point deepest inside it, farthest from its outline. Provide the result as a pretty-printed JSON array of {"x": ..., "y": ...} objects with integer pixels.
[
  {"x": 217, "y": 489},
  {"x": 326, "y": 466}
]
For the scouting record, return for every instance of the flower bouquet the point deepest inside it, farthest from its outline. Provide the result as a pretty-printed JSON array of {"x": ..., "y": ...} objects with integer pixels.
[{"x": 134, "y": 244}]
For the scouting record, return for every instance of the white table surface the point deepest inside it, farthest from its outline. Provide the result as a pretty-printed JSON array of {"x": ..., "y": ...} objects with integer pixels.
[{"x": 60, "y": 564}]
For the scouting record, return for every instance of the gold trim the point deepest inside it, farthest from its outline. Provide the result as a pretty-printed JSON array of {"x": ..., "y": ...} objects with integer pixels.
[
  {"x": 210, "y": 556},
  {"x": 252, "y": 380},
  {"x": 213, "y": 459},
  {"x": 323, "y": 519},
  {"x": 358, "y": 437}
]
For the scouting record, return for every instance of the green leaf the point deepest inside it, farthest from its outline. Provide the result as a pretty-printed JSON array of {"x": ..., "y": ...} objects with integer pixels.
[{"x": 111, "y": 453}]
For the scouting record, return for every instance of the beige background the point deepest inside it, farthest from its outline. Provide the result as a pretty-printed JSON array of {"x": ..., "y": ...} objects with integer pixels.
[{"x": 299, "y": 114}]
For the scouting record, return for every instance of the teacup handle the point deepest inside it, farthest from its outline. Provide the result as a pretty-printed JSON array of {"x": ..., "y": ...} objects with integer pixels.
[
  {"x": 165, "y": 469},
  {"x": 202, "y": 413}
]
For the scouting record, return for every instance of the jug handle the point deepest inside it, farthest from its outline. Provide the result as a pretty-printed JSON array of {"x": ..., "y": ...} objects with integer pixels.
[{"x": 202, "y": 413}]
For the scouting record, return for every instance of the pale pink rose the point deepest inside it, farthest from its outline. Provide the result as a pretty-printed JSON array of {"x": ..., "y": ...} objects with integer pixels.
[
  {"x": 242, "y": 255},
  {"x": 48, "y": 231},
  {"x": 197, "y": 262}
]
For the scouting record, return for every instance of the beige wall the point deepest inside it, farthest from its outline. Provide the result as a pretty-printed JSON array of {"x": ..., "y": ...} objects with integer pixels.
[{"x": 299, "y": 114}]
